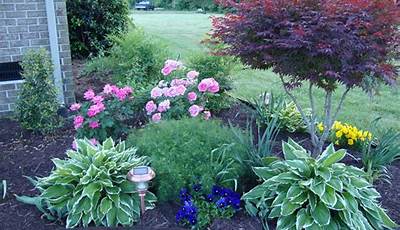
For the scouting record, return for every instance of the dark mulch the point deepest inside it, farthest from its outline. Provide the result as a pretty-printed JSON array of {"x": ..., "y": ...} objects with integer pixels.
[
  {"x": 26, "y": 154},
  {"x": 83, "y": 82}
]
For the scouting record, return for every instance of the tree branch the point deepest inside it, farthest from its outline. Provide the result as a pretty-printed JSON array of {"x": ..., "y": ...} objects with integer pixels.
[{"x": 340, "y": 104}]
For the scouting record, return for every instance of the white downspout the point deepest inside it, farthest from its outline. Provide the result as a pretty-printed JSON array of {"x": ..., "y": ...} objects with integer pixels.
[{"x": 55, "y": 55}]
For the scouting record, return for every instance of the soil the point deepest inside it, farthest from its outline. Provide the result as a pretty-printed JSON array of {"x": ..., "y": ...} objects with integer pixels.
[{"x": 26, "y": 154}]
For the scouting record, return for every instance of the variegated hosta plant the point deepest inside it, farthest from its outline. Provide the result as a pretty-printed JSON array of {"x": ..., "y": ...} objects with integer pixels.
[
  {"x": 90, "y": 186},
  {"x": 308, "y": 193}
]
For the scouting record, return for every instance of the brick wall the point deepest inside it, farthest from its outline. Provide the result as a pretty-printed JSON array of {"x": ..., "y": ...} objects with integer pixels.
[{"x": 23, "y": 26}]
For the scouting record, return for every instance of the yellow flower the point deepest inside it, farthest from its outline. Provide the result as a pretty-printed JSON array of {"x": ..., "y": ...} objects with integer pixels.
[
  {"x": 350, "y": 141},
  {"x": 339, "y": 134},
  {"x": 320, "y": 127},
  {"x": 345, "y": 130},
  {"x": 365, "y": 134},
  {"x": 369, "y": 136}
]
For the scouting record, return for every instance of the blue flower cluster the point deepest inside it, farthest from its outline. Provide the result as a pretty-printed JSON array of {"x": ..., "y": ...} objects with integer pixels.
[
  {"x": 223, "y": 198},
  {"x": 188, "y": 211}
]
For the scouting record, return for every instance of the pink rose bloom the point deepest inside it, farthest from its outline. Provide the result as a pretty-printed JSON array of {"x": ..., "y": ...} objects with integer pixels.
[
  {"x": 75, "y": 106},
  {"x": 167, "y": 70},
  {"x": 203, "y": 85},
  {"x": 156, "y": 117},
  {"x": 150, "y": 107},
  {"x": 214, "y": 86},
  {"x": 171, "y": 92},
  {"x": 89, "y": 94},
  {"x": 194, "y": 110},
  {"x": 114, "y": 89},
  {"x": 108, "y": 89},
  {"x": 95, "y": 109},
  {"x": 191, "y": 75},
  {"x": 169, "y": 66},
  {"x": 121, "y": 94},
  {"x": 207, "y": 115},
  {"x": 164, "y": 106},
  {"x": 128, "y": 90},
  {"x": 97, "y": 99},
  {"x": 192, "y": 96},
  {"x": 180, "y": 89},
  {"x": 93, "y": 141},
  {"x": 94, "y": 124},
  {"x": 156, "y": 92},
  {"x": 78, "y": 121}
]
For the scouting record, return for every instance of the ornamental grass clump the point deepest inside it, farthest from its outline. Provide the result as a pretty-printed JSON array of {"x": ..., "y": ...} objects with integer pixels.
[
  {"x": 37, "y": 105},
  {"x": 189, "y": 151},
  {"x": 90, "y": 186},
  {"x": 315, "y": 193},
  {"x": 325, "y": 43}
]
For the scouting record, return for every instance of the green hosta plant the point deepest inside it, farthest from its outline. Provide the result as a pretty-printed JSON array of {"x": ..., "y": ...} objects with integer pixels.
[
  {"x": 90, "y": 186},
  {"x": 308, "y": 193}
]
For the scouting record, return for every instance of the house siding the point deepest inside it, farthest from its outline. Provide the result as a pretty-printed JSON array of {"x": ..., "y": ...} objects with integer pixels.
[{"x": 23, "y": 26}]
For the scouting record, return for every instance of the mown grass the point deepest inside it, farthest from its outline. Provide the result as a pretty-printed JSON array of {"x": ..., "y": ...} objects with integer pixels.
[{"x": 184, "y": 31}]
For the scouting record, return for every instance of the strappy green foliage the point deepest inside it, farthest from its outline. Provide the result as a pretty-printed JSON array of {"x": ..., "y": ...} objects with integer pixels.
[
  {"x": 308, "y": 193},
  {"x": 90, "y": 186}
]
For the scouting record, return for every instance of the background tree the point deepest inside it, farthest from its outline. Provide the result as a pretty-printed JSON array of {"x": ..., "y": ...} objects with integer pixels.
[{"x": 326, "y": 43}]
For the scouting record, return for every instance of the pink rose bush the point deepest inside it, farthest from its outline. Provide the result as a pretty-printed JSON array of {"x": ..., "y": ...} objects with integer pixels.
[
  {"x": 179, "y": 97},
  {"x": 101, "y": 115}
]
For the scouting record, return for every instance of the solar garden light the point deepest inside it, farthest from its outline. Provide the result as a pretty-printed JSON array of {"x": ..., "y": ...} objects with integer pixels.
[{"x": 141, "y": 176}]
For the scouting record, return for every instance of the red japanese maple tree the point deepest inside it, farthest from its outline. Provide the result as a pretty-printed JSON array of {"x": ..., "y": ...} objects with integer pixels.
[{"x": 326, "y": 43}]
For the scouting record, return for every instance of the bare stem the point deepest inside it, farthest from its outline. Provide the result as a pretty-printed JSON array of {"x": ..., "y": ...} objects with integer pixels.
[
  {"x": 339, "y": 107},
  {"x": 314, "y": 137}
]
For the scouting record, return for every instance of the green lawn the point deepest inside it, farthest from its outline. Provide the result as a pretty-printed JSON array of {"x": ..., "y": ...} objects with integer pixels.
[{"x": 183, "y": 32}]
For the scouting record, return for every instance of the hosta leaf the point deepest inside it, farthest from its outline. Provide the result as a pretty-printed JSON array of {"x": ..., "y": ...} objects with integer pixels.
[
  {"x": 313, "y": 226},
  {"x": 296, "y": 146},
  {"x": 275, "y": 212},
  {"x": 73, "y": 219},
  {"x": 83, "y": 205},
  {"x": 279, "y": 199},
  {"x": 351, "y": 202},
  {"x": 269, "y": 160},
  {"x": 123, "y": 217},
  {"x": 300, "y": 199},
  {"x": 105, "y": 205},
  {"x": 386, "y": 221},
  {"x": 264, "y": 172},
  {"x": 86, "y": 218},
  {"x": 56, "y": 191},
  {"x": 286, "y": 222},
  {"x": 284, "y": 178},
  {"x": 329, "y": 196},
  {"x": 312, "y": 199},
  {"x": 318, "y": 187},
  {"x": 334, "y": 158},
  {"x": 127, "y": 187},
  {"x": 255, "y": 193},
  {"x": 359, "y": 182},
  {"x": 340, "y": 203},
  {"x": 288, "y": 207},
  {"x": 326, "y": 153},
  {"x": 299, "y": 165},
  {"x": 324, "y": 173},
  {"x": 336, "y": 183},
  {"x": 111, "y": 217},
  {"x": 91, "y": 189},
  {"x": 108, "y": 144},
  {"x": 321, "y": 214},
  {"x": 303, "y": 219},
  {"x": 113, "y": 190},
  {"x": 294, "y": 191},
  {"x": 251, "y": 209},
  {"x": 375, "y": 222}
]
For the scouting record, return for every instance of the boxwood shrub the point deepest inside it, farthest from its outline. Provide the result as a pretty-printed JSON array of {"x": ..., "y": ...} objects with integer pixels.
[{"x": 188, "y": 151}]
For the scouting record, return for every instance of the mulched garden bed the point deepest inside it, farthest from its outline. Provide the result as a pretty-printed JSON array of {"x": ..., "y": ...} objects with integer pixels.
[{"x": 26, "y": 154}]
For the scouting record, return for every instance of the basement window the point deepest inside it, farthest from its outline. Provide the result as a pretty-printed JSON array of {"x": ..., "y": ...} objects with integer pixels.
[{"x": 10, "y": 71}]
